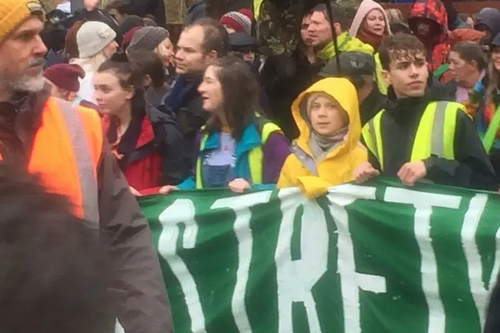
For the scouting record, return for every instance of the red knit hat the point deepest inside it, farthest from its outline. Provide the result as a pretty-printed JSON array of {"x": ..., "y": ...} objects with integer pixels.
[
  {"x": 65, "y": 76},
  {"x": 240, "y": 21},
  {"x": 127, "y": 38}
]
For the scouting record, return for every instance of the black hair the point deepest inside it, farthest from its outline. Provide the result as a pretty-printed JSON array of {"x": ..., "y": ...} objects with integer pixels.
[
  {"x": 120, "y": 6},
  {"x": 240, "y": 93},
  {"x": 399, "y": 45},
  {"x": 470, "y": 51},
  {"x": 215, "y": 36},
  {"x": 53, "y": 269},
  {"x": 149, "y": 63},
  {"x": 339, "y": 14}
]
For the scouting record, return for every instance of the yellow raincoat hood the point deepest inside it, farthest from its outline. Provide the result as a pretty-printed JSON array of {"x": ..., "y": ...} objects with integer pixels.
[{"x": 338, "y": 165}]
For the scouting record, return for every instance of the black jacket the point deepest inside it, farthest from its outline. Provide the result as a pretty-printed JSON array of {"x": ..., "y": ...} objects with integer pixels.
[
  {"x": 471, "y": 167},
  {"x": 152, "y": 7}
]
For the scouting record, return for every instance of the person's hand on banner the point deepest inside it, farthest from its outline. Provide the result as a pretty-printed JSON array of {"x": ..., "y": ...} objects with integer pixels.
[
  {"x": 239, "y": 185},
  {"x": 364, "y": 172},
  {"x": 167, "y": 189},
  {"x": 412, "y": 172},
  {"x": 90, "y": 4},
  {"x": 135, "y": 192}
]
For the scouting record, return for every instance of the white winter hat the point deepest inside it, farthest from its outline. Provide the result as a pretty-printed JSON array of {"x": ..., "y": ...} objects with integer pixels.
[{"x": 93, "y": 37}]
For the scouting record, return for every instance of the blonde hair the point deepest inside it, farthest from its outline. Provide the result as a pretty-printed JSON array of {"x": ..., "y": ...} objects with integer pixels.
[
  {"x": 91, "y": 64},
  {"x": 395, "y": 15},
  {"x": 162, "y": 51}
]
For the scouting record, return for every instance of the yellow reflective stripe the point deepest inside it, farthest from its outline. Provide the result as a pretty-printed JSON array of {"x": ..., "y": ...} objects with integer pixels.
[
  {"x": 256, "y": 155},
  {"x": 436, "y": 131},
  {"x": 199, "y": 178},
  {"x": 422, "y": 144},
  {"x": 373, "y": 138},
  {"x": 377, "y": 134},
  {"x": 450, "y": 126},
  {"x": 256, "y": 8}
]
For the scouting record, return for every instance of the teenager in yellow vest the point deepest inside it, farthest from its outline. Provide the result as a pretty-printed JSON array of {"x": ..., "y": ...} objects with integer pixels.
[
  {"x": 64, "y": 146},
  {"x": 419, "y": 135}
]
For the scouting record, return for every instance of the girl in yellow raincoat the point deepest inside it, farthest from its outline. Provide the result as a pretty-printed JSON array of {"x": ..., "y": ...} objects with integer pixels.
[{"x": 328, "y": 150}]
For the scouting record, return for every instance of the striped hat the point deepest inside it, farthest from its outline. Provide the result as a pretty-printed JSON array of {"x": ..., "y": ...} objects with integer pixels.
[{"x": 239, "y": 21}]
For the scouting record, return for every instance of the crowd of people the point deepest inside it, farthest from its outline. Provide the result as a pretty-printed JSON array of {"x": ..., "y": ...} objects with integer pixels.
[
  {"x": 104, "y": 106},
  {"x": 179, "y": 117}
]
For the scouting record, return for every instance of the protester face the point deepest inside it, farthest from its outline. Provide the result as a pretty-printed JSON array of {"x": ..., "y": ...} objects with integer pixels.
[
  {"x": 191, "y": 57},
  {"x": 110, "y": 49},
  {"x": 495, "y": 57},
  {"x": 165, "y": 51},
  {"x": 112, "y": 98},
  {"x": 375, "y": 22},
  {"x": 61, "y": 93},
  {"x": 304, "y": 31},
  {"x": 326, "y": 115},
  {"x": 21, "y": 57},
  {"x": 319, "y": 29},
  {"x": 407, "y": 74},
  {"x": 230, "y": 30},
  {"x": 210, "y": 90},
  {"x": 462, "y": 70}
]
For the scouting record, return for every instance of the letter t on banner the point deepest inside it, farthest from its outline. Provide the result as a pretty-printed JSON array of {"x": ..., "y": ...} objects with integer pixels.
[{"x": 423, "y": 203}]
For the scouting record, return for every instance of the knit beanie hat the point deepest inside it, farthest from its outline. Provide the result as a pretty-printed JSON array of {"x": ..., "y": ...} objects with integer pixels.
[
  {"x": 148, "y": 38},
  {"x": 14, "y": 12},
  {"x": 238, "y": 21},
  {"x": 93, "y": 37},
  {"x": 127, "y": 38},
  {"x": 65, "y": 76}
]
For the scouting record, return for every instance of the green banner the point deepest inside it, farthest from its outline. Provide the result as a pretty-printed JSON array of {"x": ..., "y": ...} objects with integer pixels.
[{"x": 374, "y": 259}]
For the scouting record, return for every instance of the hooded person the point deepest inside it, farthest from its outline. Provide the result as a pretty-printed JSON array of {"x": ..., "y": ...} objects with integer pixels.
[
  {"x": 370, "y": 24},
  {"x": 443, "y": 73},
  {"x": 429, "y": 22},
  {"x": 327, "y": 151},
  {"x": 488, "y": 21}
]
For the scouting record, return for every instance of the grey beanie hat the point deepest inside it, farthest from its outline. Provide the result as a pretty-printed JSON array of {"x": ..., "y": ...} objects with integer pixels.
[
  {"x": 148, "y": 38},
  {"x": 93, "y": 37}
]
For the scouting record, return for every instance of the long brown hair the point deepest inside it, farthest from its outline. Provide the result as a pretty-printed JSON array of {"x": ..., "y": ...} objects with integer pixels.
[{"x": 240, "y": 94}]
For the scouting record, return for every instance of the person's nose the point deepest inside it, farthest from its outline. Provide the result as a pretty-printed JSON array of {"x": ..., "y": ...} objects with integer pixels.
[{"x": 39, "y": 48}]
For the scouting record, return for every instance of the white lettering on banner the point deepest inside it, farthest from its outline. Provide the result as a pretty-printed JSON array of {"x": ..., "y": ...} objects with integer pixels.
[
  {"x": 350, "y": 280},
  {"x": 296, "y": 278},
  {"x": 423, "y": 203},
  {"x": 473, "y": 257},
  {"x": 241, "y": 206},
  {"x": 182, "y": 211}
]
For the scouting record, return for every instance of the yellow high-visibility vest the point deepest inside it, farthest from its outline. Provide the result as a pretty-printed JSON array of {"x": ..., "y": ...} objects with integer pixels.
[
  {"x": 255, "y": 156},
  {"x": 435, "y": 133}
]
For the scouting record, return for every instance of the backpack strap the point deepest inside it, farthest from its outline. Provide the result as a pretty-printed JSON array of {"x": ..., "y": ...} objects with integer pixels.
[{"x": 305, "y": 159}]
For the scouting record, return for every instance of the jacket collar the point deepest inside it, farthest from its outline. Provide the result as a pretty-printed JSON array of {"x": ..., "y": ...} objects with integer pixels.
[
  {"x": 328, "y": 51},
  {"x": 249, "y": 140}
]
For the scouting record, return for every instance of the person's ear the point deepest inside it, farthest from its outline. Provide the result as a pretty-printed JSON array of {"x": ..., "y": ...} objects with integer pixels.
[
  {"x": 338, "y": 28},
  {"x": 129, "y": 93},
  {"x": 386, "y": 76},
  {"x": 212, "y": 56}
]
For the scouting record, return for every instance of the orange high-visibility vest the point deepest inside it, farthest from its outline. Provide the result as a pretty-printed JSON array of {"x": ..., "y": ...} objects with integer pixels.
[{"x": 66, "y": 151}]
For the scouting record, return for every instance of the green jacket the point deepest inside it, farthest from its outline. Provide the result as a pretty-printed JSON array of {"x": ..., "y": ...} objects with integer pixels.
[{"x": 347, "y": 43}]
